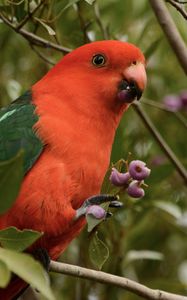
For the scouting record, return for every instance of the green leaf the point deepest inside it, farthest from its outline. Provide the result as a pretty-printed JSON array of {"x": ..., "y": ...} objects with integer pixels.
[
  {"x": 4, "y": 275},
  {"x": 19, "y": 240},
  {"x": 13, "y": 88},
  {"x": 19, "y": 9},
  {"x": 47, "y": 27},
  {"x": 182, "y": 272},
  {"x": 170, "y": 208},
  {"x": 92, "y": 222},
  {"x": 145, "y": 29},
  {"x": 90, "y": 1},
  {"x": 143, "y": 254},
  {"x": 4, "y": 8},
  {"x": 98, "y": 251},
  {"x": 28, "y": 269},
  {"x": 70, "y": 3},
  {"x": 152, "y": 48},
  {"x": 11, "y": 175}
]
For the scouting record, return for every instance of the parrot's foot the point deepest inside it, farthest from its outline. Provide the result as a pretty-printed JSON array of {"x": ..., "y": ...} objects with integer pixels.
[
  {"x": 42, "y": 256},
  {"x": 97, "y": 200}
]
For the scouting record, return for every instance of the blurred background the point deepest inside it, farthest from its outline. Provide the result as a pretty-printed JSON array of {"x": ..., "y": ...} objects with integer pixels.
[{"x": 147, "y": 239}]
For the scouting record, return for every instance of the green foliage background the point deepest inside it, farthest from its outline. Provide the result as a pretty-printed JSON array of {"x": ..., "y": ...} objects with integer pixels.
[{"x": 158, "y": 222}]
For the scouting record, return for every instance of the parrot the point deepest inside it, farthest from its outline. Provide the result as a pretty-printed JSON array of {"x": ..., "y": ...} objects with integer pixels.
[{"x": 66, "y": 125}]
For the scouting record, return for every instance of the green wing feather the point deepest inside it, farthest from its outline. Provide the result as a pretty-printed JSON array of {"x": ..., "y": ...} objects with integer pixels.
[{"x": 16, "y": 122}]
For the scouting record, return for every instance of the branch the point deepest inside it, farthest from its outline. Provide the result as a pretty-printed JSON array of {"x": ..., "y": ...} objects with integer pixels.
[
  {"x": 161, "y": 106},
  {"x": 178, "y": 6},
  {"x": 29, "y": 15},
  {"x": 83, "y": 24},
  {"x": 45, "y": 59},
  {"x": 121, "y": 282},
  {"x": 34, "y": 39},
  {"x": 168, "y": 26},
  {"x": 164, "y": 146},
  {"x": 99, "y": 21},
  {"x": 181, "y": 2}
]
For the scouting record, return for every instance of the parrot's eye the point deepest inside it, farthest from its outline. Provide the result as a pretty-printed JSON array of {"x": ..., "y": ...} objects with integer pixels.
[{"x": 98, "y": 60}]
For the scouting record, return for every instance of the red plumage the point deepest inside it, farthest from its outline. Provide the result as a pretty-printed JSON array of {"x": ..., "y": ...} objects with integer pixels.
[{"x": 79, "y": 112}]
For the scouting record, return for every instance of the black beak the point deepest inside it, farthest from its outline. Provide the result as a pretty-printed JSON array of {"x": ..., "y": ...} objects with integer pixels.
[{"x": 132, "y": 89}]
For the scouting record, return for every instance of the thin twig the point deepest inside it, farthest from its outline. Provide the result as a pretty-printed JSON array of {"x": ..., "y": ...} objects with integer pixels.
[
  {"x": 171, "y": 31},
  {"x": 168, "y": 151},
  {"x": 99, "y": 21},
  {"x": 181, "y": 2},
  {"x": 178, "y": 7},
  {"x": 41, "y": 55},
  {"x": 181, "y": 118},
  {"x": 28, "y": 7},
  {"x": 15, "y": 3},
  {"x": 155, "y": 104},
  {"x": 40, "y": 14},
  {"x": 29, "y": 15},
  {"x": 161, "y": 106},
  {"x": 122, "y": 282},
  {"x": 83, "y": 24},
  {"x": 34, "y": 39}
]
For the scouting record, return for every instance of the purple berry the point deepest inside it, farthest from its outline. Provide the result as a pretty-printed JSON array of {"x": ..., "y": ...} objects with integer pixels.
[
  {"x": 183, "y": 97},
  {"x": 173, "y": 102},
  {"x": 119, "y": 179},
  {"x": 134, "y": 190},
  {"x": 125, "y": 96},
  {"x": 96, "y": 211},
  {"x": 138, "y": 170}
]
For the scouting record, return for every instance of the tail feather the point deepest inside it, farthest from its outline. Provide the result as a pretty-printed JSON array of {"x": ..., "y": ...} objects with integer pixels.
[{"x": 15, "y": 288}]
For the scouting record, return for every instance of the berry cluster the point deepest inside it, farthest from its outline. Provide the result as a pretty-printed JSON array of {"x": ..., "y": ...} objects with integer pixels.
[
  {"x": 132, "y": 180},
  {"x": 176, "y": 102}
]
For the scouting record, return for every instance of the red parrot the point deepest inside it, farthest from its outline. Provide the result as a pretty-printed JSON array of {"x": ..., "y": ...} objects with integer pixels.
[{"x": 66, "y": 125}]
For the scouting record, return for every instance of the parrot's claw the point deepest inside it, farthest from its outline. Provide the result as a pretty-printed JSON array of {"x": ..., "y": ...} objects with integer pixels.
[
  {"x": 42, "y": 255},
  {"x": 97, "y": 200},
  {"x": 116, "y": 204},
  {"x": 108, "y": 214}
]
